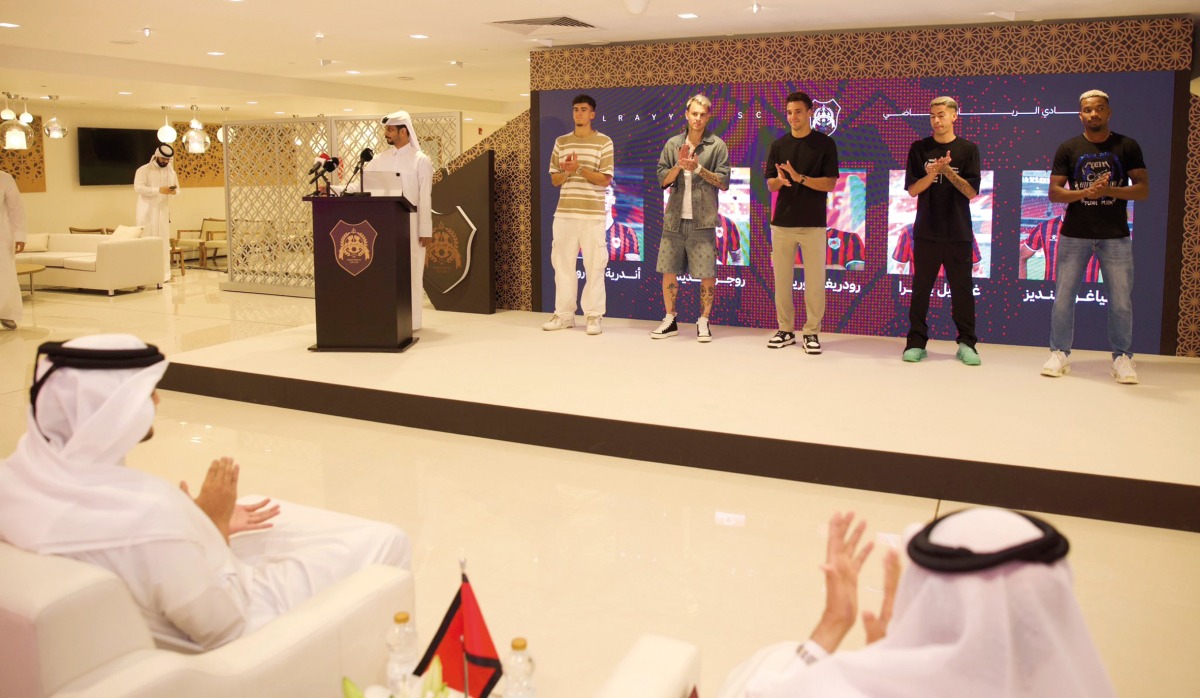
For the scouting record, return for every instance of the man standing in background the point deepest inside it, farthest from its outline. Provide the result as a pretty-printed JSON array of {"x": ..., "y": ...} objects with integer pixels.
[
  {"x": 155, "y": 184},
  {"x": 12, "y": 241},
  {"x": 802, "y": 166},
  {"x": 943, "y": 174},
  {"x": 581, "y": 165},
  {"x": 1095, "y": 174}
]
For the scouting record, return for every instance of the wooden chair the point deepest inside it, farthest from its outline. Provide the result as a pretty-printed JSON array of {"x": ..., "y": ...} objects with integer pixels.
[
  {"x": 193, "y": 240},
  {"x": 215, "y": 242}
]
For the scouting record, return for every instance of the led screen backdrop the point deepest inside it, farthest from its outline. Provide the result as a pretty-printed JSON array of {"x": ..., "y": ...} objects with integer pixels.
[{"x": 1017, "y": 121}]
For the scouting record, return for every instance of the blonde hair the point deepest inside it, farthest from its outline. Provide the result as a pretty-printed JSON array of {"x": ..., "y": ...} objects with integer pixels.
[
  {"x": 1093, "y": 93},
  {"x": 947, "y": 102},
  {"x": 701, "y": 100}
]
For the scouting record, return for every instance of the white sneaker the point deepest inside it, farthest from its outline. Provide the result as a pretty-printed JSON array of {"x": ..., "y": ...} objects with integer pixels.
[
  {"x": 1124, "y": 370},
  {"x": 703, "y": 332},
  {"x": 559, "y": 323},
  {"x": 1057, "y": 365},
  {"x": 593, "y": 324}
]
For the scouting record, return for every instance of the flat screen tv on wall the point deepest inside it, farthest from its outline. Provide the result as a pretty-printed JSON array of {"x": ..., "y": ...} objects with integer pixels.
[{"x": 112, "y": 155}]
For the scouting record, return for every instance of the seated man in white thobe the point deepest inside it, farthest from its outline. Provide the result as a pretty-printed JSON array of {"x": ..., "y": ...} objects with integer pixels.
[
  {"x": 985, "y": 611},
  {"x": 66, "y": 491}
]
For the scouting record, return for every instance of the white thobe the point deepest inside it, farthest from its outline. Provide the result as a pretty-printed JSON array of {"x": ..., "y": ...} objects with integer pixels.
[
  {"x": 201, "y": 593},
  {"x": 12, "y": 231},
  {"x": 416, "y": 178},
  {"x": 153, "y": 207}
]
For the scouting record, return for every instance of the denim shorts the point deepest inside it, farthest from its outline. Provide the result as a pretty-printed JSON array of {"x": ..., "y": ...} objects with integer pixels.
[{"x": 690, "y": 250}]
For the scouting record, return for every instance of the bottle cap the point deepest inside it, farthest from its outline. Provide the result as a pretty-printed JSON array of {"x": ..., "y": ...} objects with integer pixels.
[
  {"x": 518, "y": 643},
  {"x": 401, "y": 617}
]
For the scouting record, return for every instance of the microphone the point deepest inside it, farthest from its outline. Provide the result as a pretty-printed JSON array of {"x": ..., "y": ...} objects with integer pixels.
[
  {"x": 367, "y": 155},
  {"x": 318, "y": 163},
  {"x": 332, "y": 164}
]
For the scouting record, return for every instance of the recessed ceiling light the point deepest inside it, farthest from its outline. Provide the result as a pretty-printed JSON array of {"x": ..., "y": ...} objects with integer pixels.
[
  {"x": 417, "y": 36},
  {"x": 146, "y": 31},
  {"x": 467, "y": 118},
  {"x": 318, "y": 36},
  {"x": 347, "y": 109},
  {"x": 251, "y": 102},
  {"x": 756, "y": 8},
  {"x": 9, "y": 25},
  {"x": 216, "y": 53},
  {"x": 280, "y": 113},
  {"x": 523, "y": 94},
  {"x": 688, "y": 15},
  {"x": 452, "y": 84},
  {"x": 125, "y": 94},
  {"x": 179, "y": 106},
  {"x": 353, "y": 72}
]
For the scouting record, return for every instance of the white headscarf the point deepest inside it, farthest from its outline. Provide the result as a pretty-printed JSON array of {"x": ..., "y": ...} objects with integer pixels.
[
  {"x": 1012, "y": 631},
  {"x": 167, "y": 152},
  {"x": 65, "y": 488},
  {"x": 401, "y": 118}
]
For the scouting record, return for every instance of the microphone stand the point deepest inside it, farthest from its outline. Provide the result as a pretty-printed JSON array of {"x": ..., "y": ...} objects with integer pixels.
[{"x": 357, "y": 171}]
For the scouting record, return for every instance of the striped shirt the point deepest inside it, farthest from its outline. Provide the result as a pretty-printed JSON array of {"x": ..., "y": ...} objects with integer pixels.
[
  {"x": 841, "y": 248},
  {"x": 1044, "y": 237},
  {"x": 580, "y": 198}
]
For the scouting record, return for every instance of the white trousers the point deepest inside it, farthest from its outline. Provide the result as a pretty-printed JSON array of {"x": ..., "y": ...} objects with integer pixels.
[
  {"x": 570, "y": 236},
  {"x": 417, "y": 268}
]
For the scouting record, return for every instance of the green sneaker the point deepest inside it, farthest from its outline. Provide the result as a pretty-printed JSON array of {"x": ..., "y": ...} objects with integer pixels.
[
  {"x": 967, "y": 355},
  {"x": 914, "y": 354}
]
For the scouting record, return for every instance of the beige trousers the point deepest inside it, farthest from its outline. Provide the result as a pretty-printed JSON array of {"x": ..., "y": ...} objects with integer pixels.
[{"x": 812, "y": 242}]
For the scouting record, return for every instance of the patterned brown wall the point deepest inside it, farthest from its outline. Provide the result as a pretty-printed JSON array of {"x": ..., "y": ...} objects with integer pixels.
[
  {"x": 1003, "y": 49},
  {"x": 28, "y": 166},
  {"x": 513, "y": 203},
  {"x": 1189, "y": 290},
  {"x": 205, "y": 169}
]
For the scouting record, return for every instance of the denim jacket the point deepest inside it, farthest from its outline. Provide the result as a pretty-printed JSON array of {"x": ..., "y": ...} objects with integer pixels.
[{"x": 714, "y": 157}]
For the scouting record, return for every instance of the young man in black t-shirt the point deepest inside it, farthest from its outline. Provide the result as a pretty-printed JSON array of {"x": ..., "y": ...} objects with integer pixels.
[
  {"x": 1095, "y": 174},
  {"x": 802, "y": 166},
  {"x": 943, "y": 173}
]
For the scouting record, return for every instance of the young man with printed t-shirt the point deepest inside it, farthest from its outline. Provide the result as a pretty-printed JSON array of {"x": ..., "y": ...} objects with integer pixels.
[
  {"x": 1095, "y": 174},
  {"x": 943, "y": 174},
  {"x": 581, "y": 164},
  {"x": 802, "y": 166}
]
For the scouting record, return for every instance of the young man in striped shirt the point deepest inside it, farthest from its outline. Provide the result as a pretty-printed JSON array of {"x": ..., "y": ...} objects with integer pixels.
[{"x": 582, "y": 165}]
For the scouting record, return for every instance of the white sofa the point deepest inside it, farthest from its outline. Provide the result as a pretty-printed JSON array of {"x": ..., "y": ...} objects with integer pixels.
[
  {"x": 655, "y": 667},
  {"x": 70, "y": 629},
  {"x": 95, "y": 261}
]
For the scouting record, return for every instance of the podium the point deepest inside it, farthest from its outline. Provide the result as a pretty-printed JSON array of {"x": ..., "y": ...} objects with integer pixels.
[{"x": 363, "y": 274}]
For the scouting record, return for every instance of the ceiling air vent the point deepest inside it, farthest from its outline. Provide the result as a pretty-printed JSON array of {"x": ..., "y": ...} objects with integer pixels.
[{"x": 544, "y": 26}]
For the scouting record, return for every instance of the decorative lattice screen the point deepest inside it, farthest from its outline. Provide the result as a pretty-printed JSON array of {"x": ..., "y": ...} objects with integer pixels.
[{"x": 270, "y": 226}]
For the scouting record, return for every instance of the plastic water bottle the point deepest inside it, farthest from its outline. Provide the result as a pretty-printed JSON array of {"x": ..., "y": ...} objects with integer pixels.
[
  {"x": 519, "y": 670},
  {"x": 402, "y": 657}
]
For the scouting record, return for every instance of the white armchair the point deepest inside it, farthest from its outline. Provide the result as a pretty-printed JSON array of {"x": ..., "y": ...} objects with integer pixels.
[
  {"x": 68, "y": 628},
  {"x": 655, "y": 667}
]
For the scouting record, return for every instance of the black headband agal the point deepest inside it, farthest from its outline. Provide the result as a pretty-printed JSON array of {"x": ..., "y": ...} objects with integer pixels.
[
  {"x": 1051, "y": 547},
  {"x": 61, "y": 356}
]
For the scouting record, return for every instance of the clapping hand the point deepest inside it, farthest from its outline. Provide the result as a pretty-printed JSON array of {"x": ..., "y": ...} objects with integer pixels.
[
  {"x": 1095, "y": 190},
  {"x": 687, "y": 158},
  {"x": 876, "y": 625},
  {"x": 252, "y": 517},
  {"x": 936, "y": 167},
  {"x": 218, "y": 494},
  {"x": 843, "y": 561},
  {"x": 570, "y": 163}
]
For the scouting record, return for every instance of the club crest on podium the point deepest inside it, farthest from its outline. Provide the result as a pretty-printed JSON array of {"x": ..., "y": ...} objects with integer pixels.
[{"x": 354, "y": 245}]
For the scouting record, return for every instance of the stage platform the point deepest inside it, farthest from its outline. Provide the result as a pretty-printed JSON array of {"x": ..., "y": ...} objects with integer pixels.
[{"x": 855, "y": 416}]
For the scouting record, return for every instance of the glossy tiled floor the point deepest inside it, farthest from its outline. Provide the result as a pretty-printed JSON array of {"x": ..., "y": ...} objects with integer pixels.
[{"x": 582, "y": 553}]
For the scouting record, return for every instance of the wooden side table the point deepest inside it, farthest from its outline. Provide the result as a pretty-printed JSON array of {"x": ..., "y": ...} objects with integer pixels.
[{"x": 30, "y": 269}]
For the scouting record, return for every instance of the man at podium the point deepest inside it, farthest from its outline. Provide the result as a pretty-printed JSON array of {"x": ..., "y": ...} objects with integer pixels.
[{"x": 414, "y": 180}]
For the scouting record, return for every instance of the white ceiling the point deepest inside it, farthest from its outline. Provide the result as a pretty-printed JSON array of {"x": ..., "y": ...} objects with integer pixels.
[{"x": 87, "y": 51}]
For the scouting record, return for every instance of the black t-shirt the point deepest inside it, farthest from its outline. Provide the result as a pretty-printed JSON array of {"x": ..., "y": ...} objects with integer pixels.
[
  {"x": 943, "y": 213},
  {"x": 815, "y": 155},
  {"x": 1082, "y": 162}
]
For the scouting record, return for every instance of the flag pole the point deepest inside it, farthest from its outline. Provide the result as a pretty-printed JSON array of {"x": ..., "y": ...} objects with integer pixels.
[{"x": 462, "y": 564}]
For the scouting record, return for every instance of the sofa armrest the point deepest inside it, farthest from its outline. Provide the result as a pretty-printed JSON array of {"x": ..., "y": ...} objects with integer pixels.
[
  {"x": 655, "y": 667},
  {"x": 61, "y": 619},
  {"x": 304, "y": 652}
]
